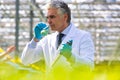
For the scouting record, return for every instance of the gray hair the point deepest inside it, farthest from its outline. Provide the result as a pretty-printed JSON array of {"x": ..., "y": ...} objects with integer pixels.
[{"x": 62, "y": 6}]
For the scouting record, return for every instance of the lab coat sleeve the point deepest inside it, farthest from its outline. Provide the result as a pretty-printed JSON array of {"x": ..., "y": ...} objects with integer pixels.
[
  {"x": 86, "y": 55},
  {"x": 31, "y": 53}
]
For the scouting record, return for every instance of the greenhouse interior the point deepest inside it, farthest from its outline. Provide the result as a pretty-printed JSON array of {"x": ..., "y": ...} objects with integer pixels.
[{"x": 99, "y": 17}]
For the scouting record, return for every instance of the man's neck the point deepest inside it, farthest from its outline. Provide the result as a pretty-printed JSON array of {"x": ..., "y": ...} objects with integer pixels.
[{"x": 66, "y": 25}]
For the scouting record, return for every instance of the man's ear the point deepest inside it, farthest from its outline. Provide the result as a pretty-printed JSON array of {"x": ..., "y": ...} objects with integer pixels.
[{"x": 65, "y": 17}]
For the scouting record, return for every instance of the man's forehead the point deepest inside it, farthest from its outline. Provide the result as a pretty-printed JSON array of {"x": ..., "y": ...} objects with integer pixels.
[{"x": 52, "y": 11}]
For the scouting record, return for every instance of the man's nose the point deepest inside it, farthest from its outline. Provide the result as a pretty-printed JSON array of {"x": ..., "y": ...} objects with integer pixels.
[{"x": 49, "y": 20}]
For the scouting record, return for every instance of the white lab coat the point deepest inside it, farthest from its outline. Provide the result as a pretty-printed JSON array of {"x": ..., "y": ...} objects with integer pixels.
[{"x": 46, "y": 48}]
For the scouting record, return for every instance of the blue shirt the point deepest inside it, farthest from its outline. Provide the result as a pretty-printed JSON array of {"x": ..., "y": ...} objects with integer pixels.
[{"x": 66, "y": 31}]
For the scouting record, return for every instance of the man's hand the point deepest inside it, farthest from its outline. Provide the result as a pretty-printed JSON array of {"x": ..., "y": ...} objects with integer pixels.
[
  {"x": 10, "y": 49},
  {"x": 66, "y": 49},
  {"x": 37, "y": 30}
]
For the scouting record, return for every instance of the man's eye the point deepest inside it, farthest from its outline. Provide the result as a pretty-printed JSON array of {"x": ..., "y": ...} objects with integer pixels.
[{"x": 51, "y": 17}]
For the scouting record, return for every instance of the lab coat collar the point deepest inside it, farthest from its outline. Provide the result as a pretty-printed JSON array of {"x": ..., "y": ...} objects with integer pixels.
[{"x": 70, "y": 35}]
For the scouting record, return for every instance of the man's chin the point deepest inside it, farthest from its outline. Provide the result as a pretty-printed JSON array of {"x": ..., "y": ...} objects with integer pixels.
[{"x": 52, "y": 30}]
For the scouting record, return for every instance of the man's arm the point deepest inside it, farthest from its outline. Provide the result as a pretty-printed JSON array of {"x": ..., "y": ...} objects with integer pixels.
[
  {"x": 33, "y": 51},
  {"x": 86, "y": 56}
]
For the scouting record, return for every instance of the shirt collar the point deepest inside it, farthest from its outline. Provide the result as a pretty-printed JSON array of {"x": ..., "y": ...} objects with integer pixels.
[{"x": 67, "y": 29}]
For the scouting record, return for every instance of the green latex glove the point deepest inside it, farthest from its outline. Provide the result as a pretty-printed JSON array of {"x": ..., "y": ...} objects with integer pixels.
[{"x": 66, "y": 49}]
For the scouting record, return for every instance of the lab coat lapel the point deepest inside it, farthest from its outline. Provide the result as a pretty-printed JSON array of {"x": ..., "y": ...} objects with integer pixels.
[
  {"x": 52, "y": 47},
  {"x": 53, "y": 40}
]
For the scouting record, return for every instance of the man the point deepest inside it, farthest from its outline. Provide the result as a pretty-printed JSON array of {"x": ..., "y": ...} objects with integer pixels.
[{"x": 76, "y": 46}]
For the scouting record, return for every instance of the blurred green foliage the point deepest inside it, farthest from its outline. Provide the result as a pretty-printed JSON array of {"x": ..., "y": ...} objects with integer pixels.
[{"x": 15, "y": 71}]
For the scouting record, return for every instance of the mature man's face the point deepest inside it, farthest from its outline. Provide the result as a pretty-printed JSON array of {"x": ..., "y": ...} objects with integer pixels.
[{"x": 56, "y": 20}]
